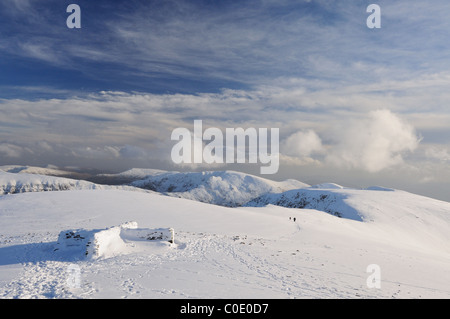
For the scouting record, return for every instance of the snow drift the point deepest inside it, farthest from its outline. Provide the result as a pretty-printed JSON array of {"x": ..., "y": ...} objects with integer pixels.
[{"x": 108, "y": 242}]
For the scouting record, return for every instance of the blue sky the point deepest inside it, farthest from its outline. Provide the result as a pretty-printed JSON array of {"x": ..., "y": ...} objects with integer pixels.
[{"x": 354, "y": 105}]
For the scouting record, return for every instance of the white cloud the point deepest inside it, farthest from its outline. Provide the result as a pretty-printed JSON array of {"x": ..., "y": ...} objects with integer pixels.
[
  {"x": 302, "y": 144},
  {"x": 373, "y": 143}
]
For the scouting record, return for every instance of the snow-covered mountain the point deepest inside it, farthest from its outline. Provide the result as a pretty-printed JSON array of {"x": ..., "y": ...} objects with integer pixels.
[
  {"x": 138, "y": 173},
  {"x": 13, "y": 183},
  {"x": 126, "y": 177},
  {"x": 50, "y": 171},
  {"x": 225, "y": 188}
]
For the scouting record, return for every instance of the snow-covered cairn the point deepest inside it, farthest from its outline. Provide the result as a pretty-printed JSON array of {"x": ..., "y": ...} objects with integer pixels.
[
  {"x": 134, "y": 234},
  {"x": 110, "y": 241}
]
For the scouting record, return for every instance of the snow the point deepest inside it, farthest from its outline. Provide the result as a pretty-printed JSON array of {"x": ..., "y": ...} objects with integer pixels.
[
  {"x": 407, "y": 217},
  {"x": 224, "y": 252},
  {"x": 328, "y": 186},
  {"x": 228, "y": 188},
  {"x": 90, "y": 244},
  {"x": 52, "y": 171},
  {"x": 138, "y": 173},
  {"x": 326, "y": 200},
  {"x": 12, "y": 183},
  {"x": 380, "y": 188},
  {"x": 147, "y": 234},
  {"x": 108, "y": 242}
]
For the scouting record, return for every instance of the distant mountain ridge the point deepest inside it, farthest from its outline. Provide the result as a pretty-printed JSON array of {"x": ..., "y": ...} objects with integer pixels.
[
  {"x": 225, "y": 188},
  {"x": 14, "y": 183}
]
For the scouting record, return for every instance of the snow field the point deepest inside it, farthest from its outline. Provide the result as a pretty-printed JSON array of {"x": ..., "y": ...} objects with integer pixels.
[{"x": 219, "y": 252}]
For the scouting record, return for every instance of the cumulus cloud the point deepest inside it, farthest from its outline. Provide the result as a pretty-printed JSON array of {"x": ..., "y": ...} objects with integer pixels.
[
  {"x": 302, "y": 145},
  {"x": 373, "y": 143}
]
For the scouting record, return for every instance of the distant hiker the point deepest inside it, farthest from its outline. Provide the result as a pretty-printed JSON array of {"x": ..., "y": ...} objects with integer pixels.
[
  {"x": 294, "y": 219},
  {"x": 289, "y": 218}
]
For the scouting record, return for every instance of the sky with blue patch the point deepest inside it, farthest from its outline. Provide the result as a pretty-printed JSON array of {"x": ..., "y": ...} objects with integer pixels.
[
  {"x": 190, "y": 46},
  {"x": 354, "y": 105}
]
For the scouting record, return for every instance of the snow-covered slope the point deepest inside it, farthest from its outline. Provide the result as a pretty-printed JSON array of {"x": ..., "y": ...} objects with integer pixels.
[
  {"x": 13, "y": 183},
  {"x": 220, "y": 252},
  {"x": 406, "y": 215},
  {"x": 50, "y": 171},
  {"x": 327, "y": 200},
  {"x": 227, "y": 188}
]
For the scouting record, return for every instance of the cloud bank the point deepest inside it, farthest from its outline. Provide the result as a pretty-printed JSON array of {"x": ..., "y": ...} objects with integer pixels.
[{"x": 125, "y": 126}]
